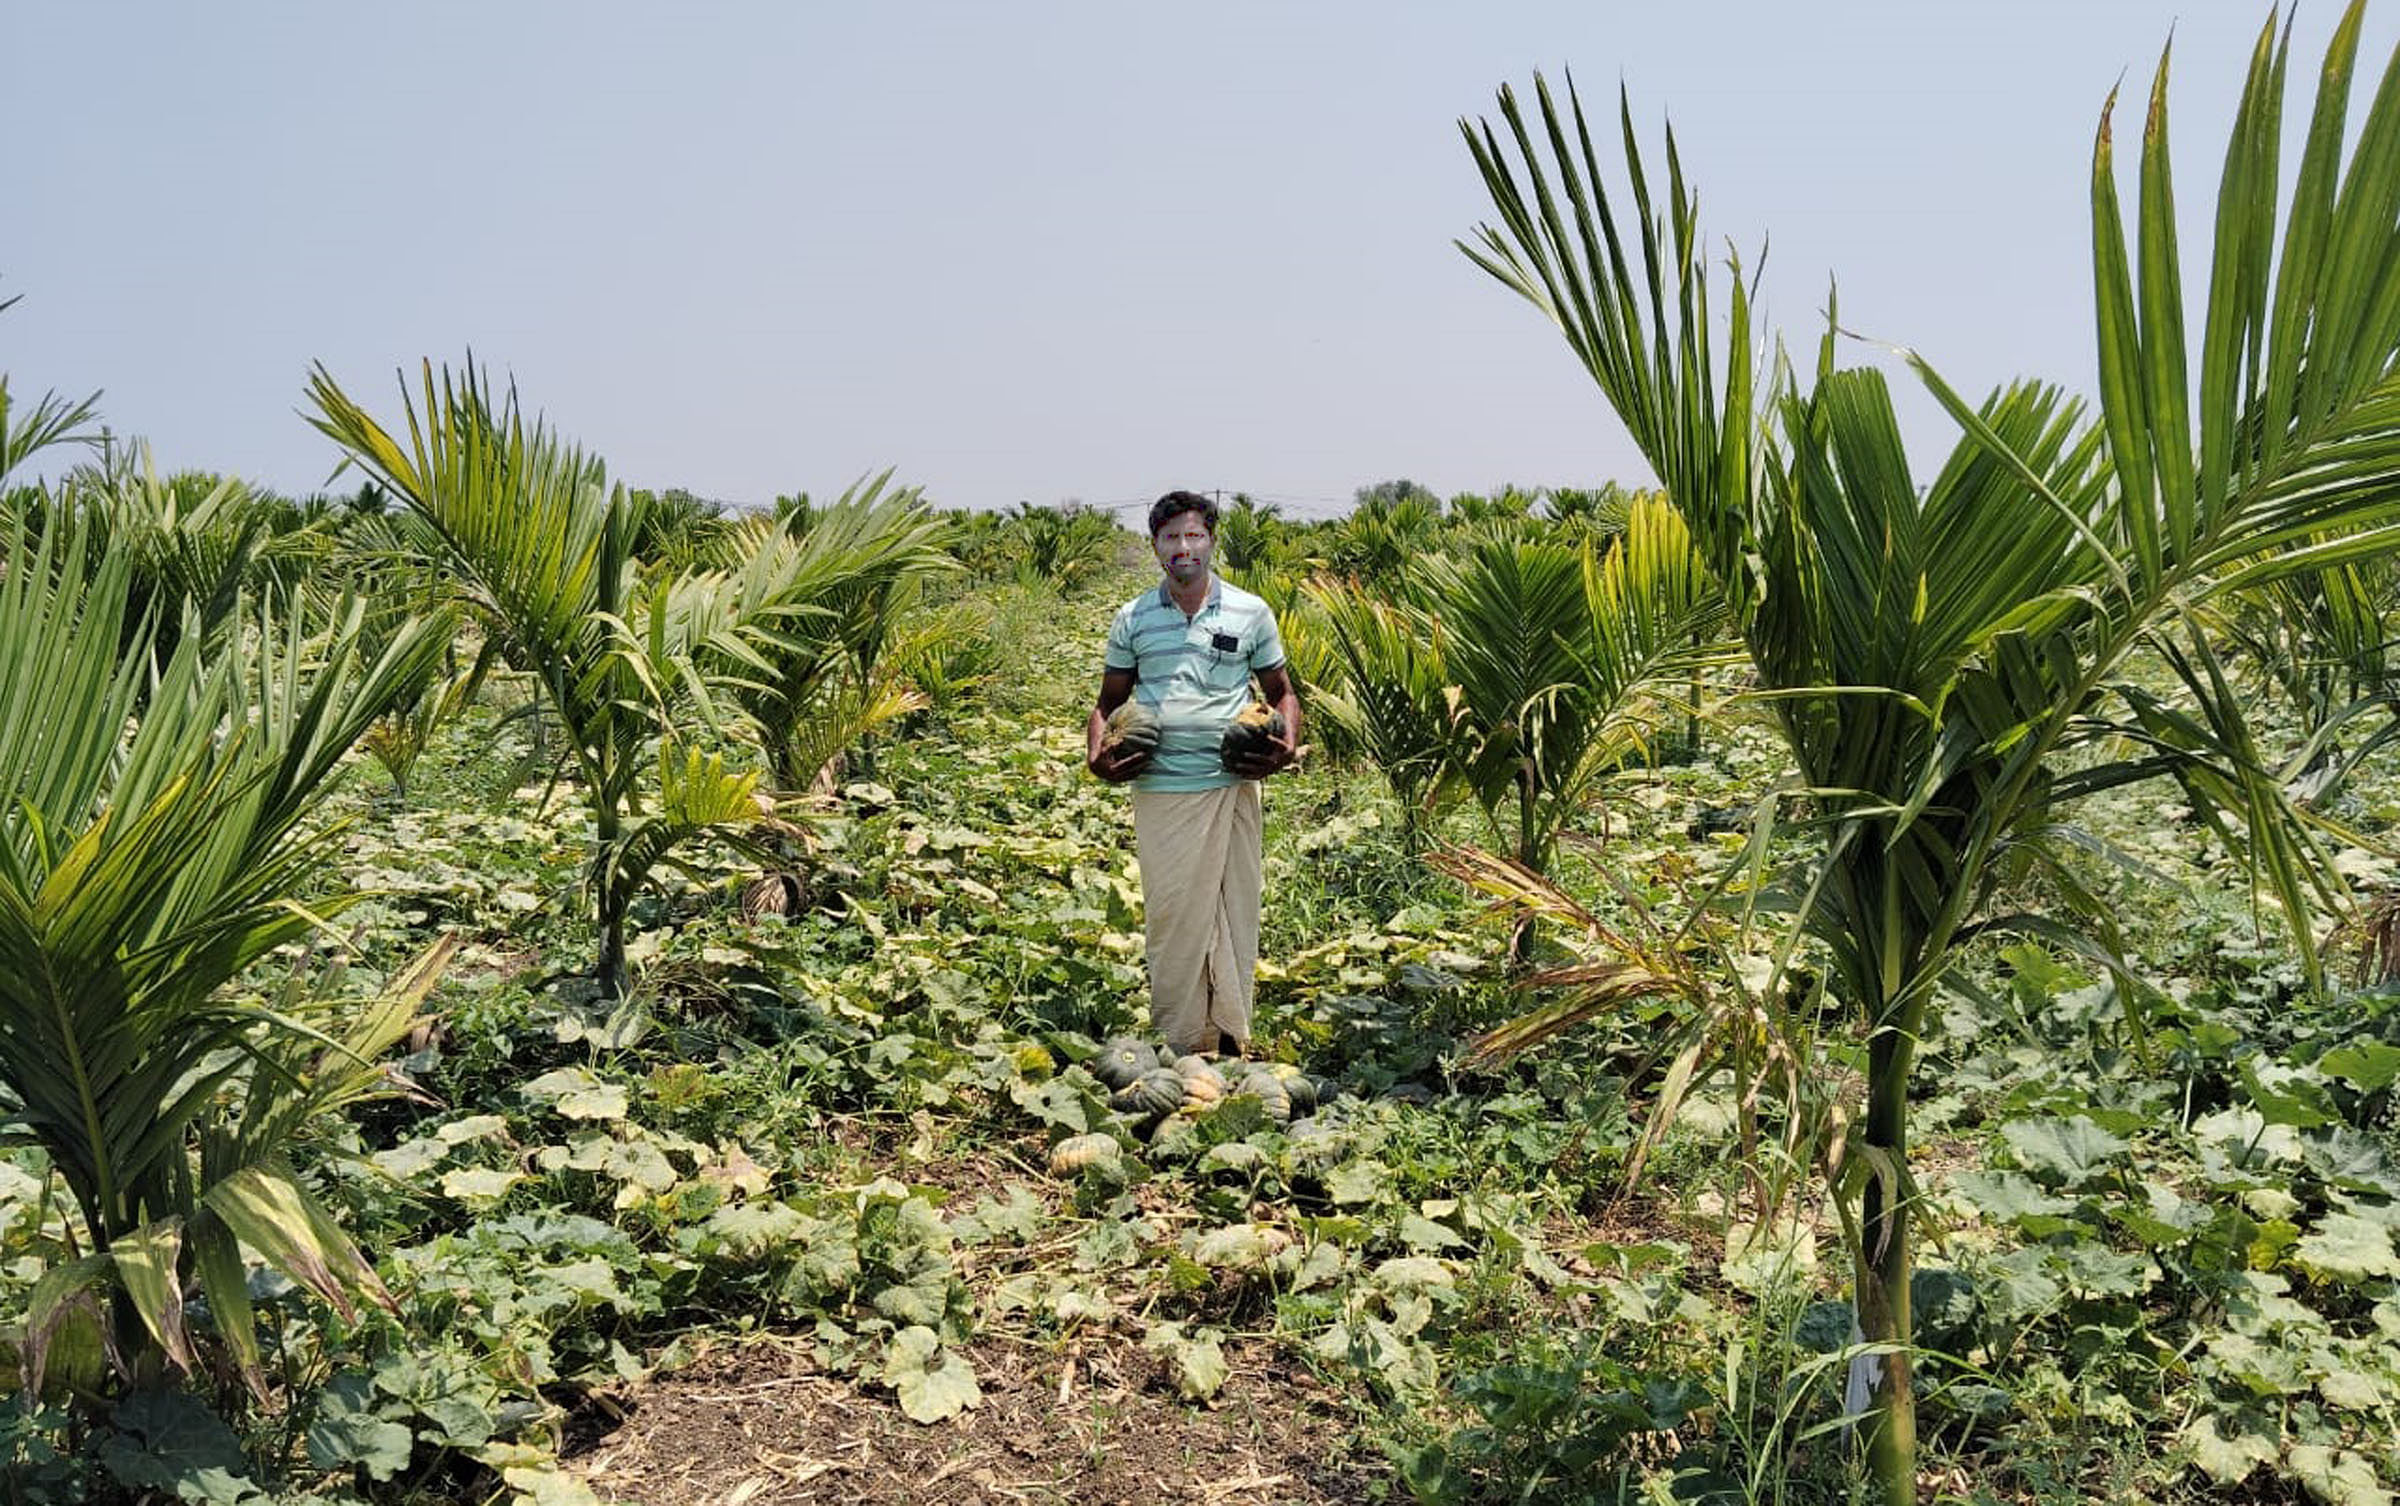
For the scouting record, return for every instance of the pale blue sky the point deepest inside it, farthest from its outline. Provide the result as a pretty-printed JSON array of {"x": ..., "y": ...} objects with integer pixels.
[{"x": 1017, "y": 252}]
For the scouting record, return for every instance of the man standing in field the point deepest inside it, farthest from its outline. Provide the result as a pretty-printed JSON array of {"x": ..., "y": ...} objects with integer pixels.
[{"x": 1186, "y": 652}]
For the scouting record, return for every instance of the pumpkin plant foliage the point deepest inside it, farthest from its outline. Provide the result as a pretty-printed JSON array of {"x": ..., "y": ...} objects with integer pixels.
[{"x": 1930, "y": 653}]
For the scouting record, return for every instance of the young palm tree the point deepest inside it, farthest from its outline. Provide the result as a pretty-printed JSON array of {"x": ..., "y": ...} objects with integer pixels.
[
  {"x": 821, "y": 588},
  {"x": 200, "y": 546},
  {"x": 1930, "y": 654},
  {"x": 1391, "y": 525},
  {"x": 1382, "y": 693},
  {"x": 157, "y": 840},
  {"x": 1522, "y": 669},
  {"x": 1061, "y": 546},
  {"x": 541, "y": 549},
  {"x": 1249, "y": 533}
]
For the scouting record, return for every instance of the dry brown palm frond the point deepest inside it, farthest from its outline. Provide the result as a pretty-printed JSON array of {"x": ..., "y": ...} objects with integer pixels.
[
  {"x": 1760, "y": 1044},
  {"x": 1594, "y": 990},
  {"x": 2378, "y": 927}
]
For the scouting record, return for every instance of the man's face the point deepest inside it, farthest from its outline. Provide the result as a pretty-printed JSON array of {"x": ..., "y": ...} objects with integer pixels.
[{"x": 1185, "y": 548}]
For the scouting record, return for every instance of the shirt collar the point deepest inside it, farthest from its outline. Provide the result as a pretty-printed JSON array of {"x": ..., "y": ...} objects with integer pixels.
[{"x": 1216, "y": 591}]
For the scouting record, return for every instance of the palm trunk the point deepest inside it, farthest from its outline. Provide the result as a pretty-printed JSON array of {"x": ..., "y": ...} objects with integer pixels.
[
  {"x": 609, "y": 969},
  {"x": 1883, "y": 1269}
]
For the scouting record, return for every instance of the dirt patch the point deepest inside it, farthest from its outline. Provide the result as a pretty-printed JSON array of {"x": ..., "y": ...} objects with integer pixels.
[{"x": 759, "y": 1424}]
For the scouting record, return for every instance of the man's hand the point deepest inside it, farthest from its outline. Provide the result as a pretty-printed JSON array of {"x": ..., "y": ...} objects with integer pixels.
[
  {"x": 1118, "y": 764},
  {"x": 1277, "y": 754}
]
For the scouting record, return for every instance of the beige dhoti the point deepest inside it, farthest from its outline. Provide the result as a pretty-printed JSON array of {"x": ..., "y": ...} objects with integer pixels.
[{"x": 1200, "y": 895}]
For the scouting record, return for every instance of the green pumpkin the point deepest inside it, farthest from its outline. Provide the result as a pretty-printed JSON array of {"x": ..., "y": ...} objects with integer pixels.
[
  {"x": 1132, "y": 725},
  {"x": 1176, "y": 1138},
  {"x": 1121, "y": 1059},
  {"x": 1079, "y": 1152},
  {"x": 1157, "y": 1091},
  {"x": 1248, "y": 734},
  {"x": 1297, "y": 1085},
  {"x": 1199, "y": 1085},
  {"x": 1261, "y": 1084}
]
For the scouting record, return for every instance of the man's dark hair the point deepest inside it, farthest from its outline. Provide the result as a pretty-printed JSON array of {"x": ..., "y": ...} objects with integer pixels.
[{"x": 1175, "y": 504}]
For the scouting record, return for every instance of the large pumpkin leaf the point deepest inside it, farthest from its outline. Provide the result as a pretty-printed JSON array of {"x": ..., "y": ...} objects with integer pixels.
[
  {"x": 2072, "y": 1150},
  {"x": 2347, "y": 1248},
  {"x": 350, "y": 1431},
  {"x": 2228, "y": 1461},
  {"x": 933, "y": 1383}
]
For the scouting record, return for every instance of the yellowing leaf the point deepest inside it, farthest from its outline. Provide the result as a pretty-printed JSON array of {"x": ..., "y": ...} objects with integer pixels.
[
  {"x": 479, "y": 1186},
  {"x": 2338, "y": 1476},
  {"x": 2348, "y": 1248},
  {"x": 578, "y": 1093},
  {"x": 932, "y": 1383},
  {"x": 1412, "y": 1271},
  {"x": 1199, "y": 1360},
  {"x": 2228, "y": 1461},
  {"x": 734, "y": 1171},
  {"x": 271, "y": 1215},
  {"x": 546, "y": 1485}
]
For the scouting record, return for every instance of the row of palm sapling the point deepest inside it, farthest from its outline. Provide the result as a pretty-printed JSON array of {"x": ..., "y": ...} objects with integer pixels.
[
  {"x": 177, "y": 712},
  {"x": 1933, "y": 653}
]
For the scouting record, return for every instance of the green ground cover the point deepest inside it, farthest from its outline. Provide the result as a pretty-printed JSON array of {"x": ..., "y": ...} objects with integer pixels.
[{"x": 2158, "y": 1209}]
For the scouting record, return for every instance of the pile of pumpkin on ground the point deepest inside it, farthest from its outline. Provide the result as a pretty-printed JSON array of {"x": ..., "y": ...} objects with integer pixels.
[{"x": 1163, "y": 1095}]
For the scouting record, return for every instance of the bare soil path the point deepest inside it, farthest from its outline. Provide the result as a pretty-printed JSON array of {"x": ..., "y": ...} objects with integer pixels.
[{"x": 759, "y": 1424}]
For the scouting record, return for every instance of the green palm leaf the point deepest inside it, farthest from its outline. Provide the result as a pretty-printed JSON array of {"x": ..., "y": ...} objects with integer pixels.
[
  {"x": 1928, "y": 656},
  {"x": 149, "y": 854}
]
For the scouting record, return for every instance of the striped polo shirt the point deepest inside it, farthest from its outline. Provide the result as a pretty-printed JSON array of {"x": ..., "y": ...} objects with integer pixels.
[{"x": 1194, "y": 673}]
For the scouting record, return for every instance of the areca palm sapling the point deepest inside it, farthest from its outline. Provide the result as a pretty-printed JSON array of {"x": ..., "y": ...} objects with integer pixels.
[
  {"x": 1520, "y": 669},
  {"x": 1601, "y": 508},
  {"x": 1383, "y": 696},
  {"x": 158, "y": 837},
  {"x": 1930, "y": 655},
  {"x": 682, "y": 530},
  {"x": 1248, "y": 533},
  {"x": 948, "y": 655},
  {"x": 384, "y": 561},
  {"x": 1391, "y": 525},
  {"x": 819, "y": 591},
  {"x": 1559, "y": 659},
  {"x": 1506, "y": 504},
  {"x": 980, "y": 542},
  {"x": 540, "y": 549},
  {"x": 199, "y": 545},
  {"x": 1061, "y": 546}
]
